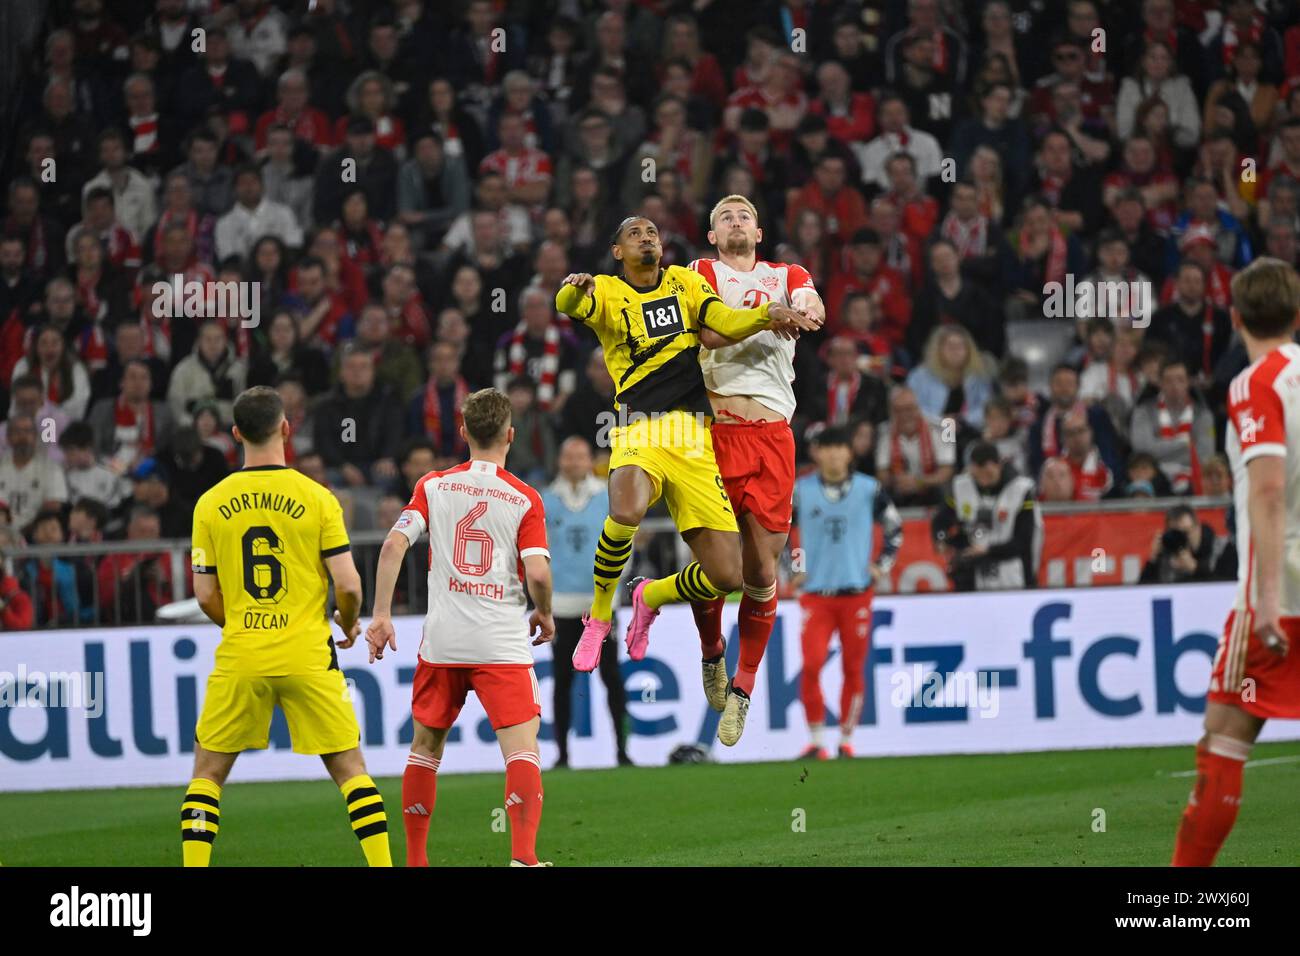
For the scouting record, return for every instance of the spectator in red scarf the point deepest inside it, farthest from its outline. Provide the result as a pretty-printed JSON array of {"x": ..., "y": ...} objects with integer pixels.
[
  {"x": 1192, "y": 325},
  {"x": 361, "y": 238},
  {"x": 1197, "y": 245},
  {"x": 843, "y": 393},
  {"x": 850, "y": 116},
  {"x": 435, "y": 411},
  {"x": 918, "y": 213},
  {"x": 1071, "y": 192},
  {"x": 1092, "y": 479},
  {"x": 1176, "y": 428},
  {"x": 682, "y": 41},
  {"x": 1045, "y": 439},
  {"x": 326, "y": 316},
  {"x": 915, "y": 457},
  {"x": 100, "y": 222},
  {"x": 902, "y": 252},
  {"x": 293, "y": 111},
  {"x": 1157, "y": 185},
  {"x": 1038, "y": 254},
  {"x": 539, "y": 349},
  {"x": 527, "y": 171},
  {"x": 778, "y": 95},
  {"x": 62, "y": 374},
  {"x": 672, "y": 146},
  {"x": 408, "y": 314},
  {"x": 867, "y": 272}
]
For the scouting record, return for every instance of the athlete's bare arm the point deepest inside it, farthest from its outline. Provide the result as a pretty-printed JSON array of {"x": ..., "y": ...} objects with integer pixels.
[
  {"x": 207, "y": 590},
  {"x": 381, "y": 634},
  {"x": 537, "y": 573},
  {"x": 347, "y": 595},
  {"x": 1267, "y": 509}
]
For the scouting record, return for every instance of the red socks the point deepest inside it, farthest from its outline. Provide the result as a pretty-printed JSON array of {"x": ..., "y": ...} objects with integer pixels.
[
  {"x": 524, "y": 804},
  {"x": 708, "y": 621},
  {"x": 757, "y": 618},
  {"x": 1213, "y": 804},
  {"x": 419, "y": 791}
]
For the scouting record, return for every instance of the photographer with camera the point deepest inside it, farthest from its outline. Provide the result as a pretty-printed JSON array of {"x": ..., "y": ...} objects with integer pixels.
[
  {"x": 989, "y": 528},
  {"x": 1188, "y": 550}
]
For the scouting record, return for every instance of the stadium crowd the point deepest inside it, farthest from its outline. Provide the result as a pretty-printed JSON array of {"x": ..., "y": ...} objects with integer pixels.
[{"x": 407, "y": 182}]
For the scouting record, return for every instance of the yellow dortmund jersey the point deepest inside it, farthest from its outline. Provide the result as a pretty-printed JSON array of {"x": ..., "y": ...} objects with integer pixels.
[
  {"x": 651, "y": 336},
  {"x": 265, "y": 532}
]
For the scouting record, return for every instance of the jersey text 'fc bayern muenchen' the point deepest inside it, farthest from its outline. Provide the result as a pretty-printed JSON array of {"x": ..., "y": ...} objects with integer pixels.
[{"x": 482, "y": 522}]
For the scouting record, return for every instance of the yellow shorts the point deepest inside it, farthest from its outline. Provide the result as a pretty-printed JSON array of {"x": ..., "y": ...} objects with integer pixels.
[
  {"x": 676, "y": 450},
  {"x": 318, "y": 708}
]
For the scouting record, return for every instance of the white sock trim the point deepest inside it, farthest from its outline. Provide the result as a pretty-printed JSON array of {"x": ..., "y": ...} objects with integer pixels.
[
  {"x": 420, "y": 760},
  {"x": 525, "y": 755},
  {"x": 761, "y": 595},
  {"x": 1221, "y": 745}
]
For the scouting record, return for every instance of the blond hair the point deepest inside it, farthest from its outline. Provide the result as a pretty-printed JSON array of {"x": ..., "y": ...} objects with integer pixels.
[
  {"x": 1266, "y": 294},
  {"x": 974, "y": 360},
  {"x": 727, "y": 200},
  {"x": 486, "y": 414}
]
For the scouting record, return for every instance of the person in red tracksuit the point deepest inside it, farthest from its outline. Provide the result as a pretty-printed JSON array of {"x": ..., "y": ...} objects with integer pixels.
[{"x": 837, "y": 511}]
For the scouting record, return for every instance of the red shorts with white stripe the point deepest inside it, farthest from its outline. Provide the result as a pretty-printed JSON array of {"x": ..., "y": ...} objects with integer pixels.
[
  {"x": 1249, "y": 676},
  {"x": 508, "y": 692},
  {"x": 756, "y": 461}
]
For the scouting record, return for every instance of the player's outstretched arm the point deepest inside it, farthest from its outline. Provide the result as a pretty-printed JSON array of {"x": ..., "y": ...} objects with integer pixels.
[
  {"x": 739, "y": 324},
  {"x": 575, "y": 294},
  {"x": 537, "y": 573},
  {"x": 207, "y": 590},
  {"x": 347, "y": 596},
  {"x": 380, "y": 634},
  {"x": 710, "y": 339}
]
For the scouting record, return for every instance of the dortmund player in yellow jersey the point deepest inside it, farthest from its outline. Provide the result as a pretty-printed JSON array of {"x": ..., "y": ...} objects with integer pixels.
[
  {"x": 648, "y": 320},
  {"x": 267, "y": 541}
]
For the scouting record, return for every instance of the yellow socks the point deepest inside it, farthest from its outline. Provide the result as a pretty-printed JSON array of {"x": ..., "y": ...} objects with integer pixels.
[
  {"x": 688, "y": 584},
  {"x": 200, "y": 821},
  {"x": 369, "y": 822},
  {"x": 612, "y": 551}
]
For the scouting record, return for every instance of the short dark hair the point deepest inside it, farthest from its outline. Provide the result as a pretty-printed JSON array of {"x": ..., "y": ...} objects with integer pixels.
[
  {"x": 257, "y": 413},
  {"x": 77, "y": 435},
  {"x": 1179, "y": 511},
  {"x": 983, "y": 453},
  {"x": 832, "y": 435},
  {"x": 96, "y": 509},
  {"x": 486, "y": 414}
]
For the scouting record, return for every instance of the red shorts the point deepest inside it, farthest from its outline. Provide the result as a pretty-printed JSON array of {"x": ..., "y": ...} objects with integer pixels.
[
  {"x": 1250, "y": 676},
  {"x": 508, "y": 692},
  {"x": 756, "y": 461}
]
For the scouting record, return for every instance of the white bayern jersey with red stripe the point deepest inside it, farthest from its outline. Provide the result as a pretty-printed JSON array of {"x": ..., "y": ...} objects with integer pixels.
[
  {"x": 1264, "y": 419},
  {"x": 761, "y": 366},
  {"x": 482, "y": 522}
]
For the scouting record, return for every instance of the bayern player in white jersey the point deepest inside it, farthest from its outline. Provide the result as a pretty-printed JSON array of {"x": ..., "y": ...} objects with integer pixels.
[
  {"x": 1255, "y": 674},
  {"x": 751, "y": 390},
  {"x": 487, "y": 537}
]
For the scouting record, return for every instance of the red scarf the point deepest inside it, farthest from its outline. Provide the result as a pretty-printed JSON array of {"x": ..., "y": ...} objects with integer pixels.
[
  {"x": 838, "y": 409},
  {"x": 433, "y": 412},
  {"x": 1092, "y": 479},
  {"x": 125, "y": 417},
  {"x": 898, "y": 463},
  {"x": 1168, "y": 429},
  {"x": 1232, "y": 38},
  {"x": 550, "y": 370},
  {"x": 969, "y": 240},
  {"x": 145, "y": 131},
  {"x": 1057, "y": 254},
  {"x": 1051, "y": 427}
]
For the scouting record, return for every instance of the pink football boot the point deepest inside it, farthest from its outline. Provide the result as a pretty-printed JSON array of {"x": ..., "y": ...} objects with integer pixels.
[
  {"x": 587, "y": 654},
  {"x": 638, "y": 631}
]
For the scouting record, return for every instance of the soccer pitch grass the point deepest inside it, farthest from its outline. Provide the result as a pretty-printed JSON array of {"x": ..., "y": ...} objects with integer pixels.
[{"x": 1016, "y": 809}]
